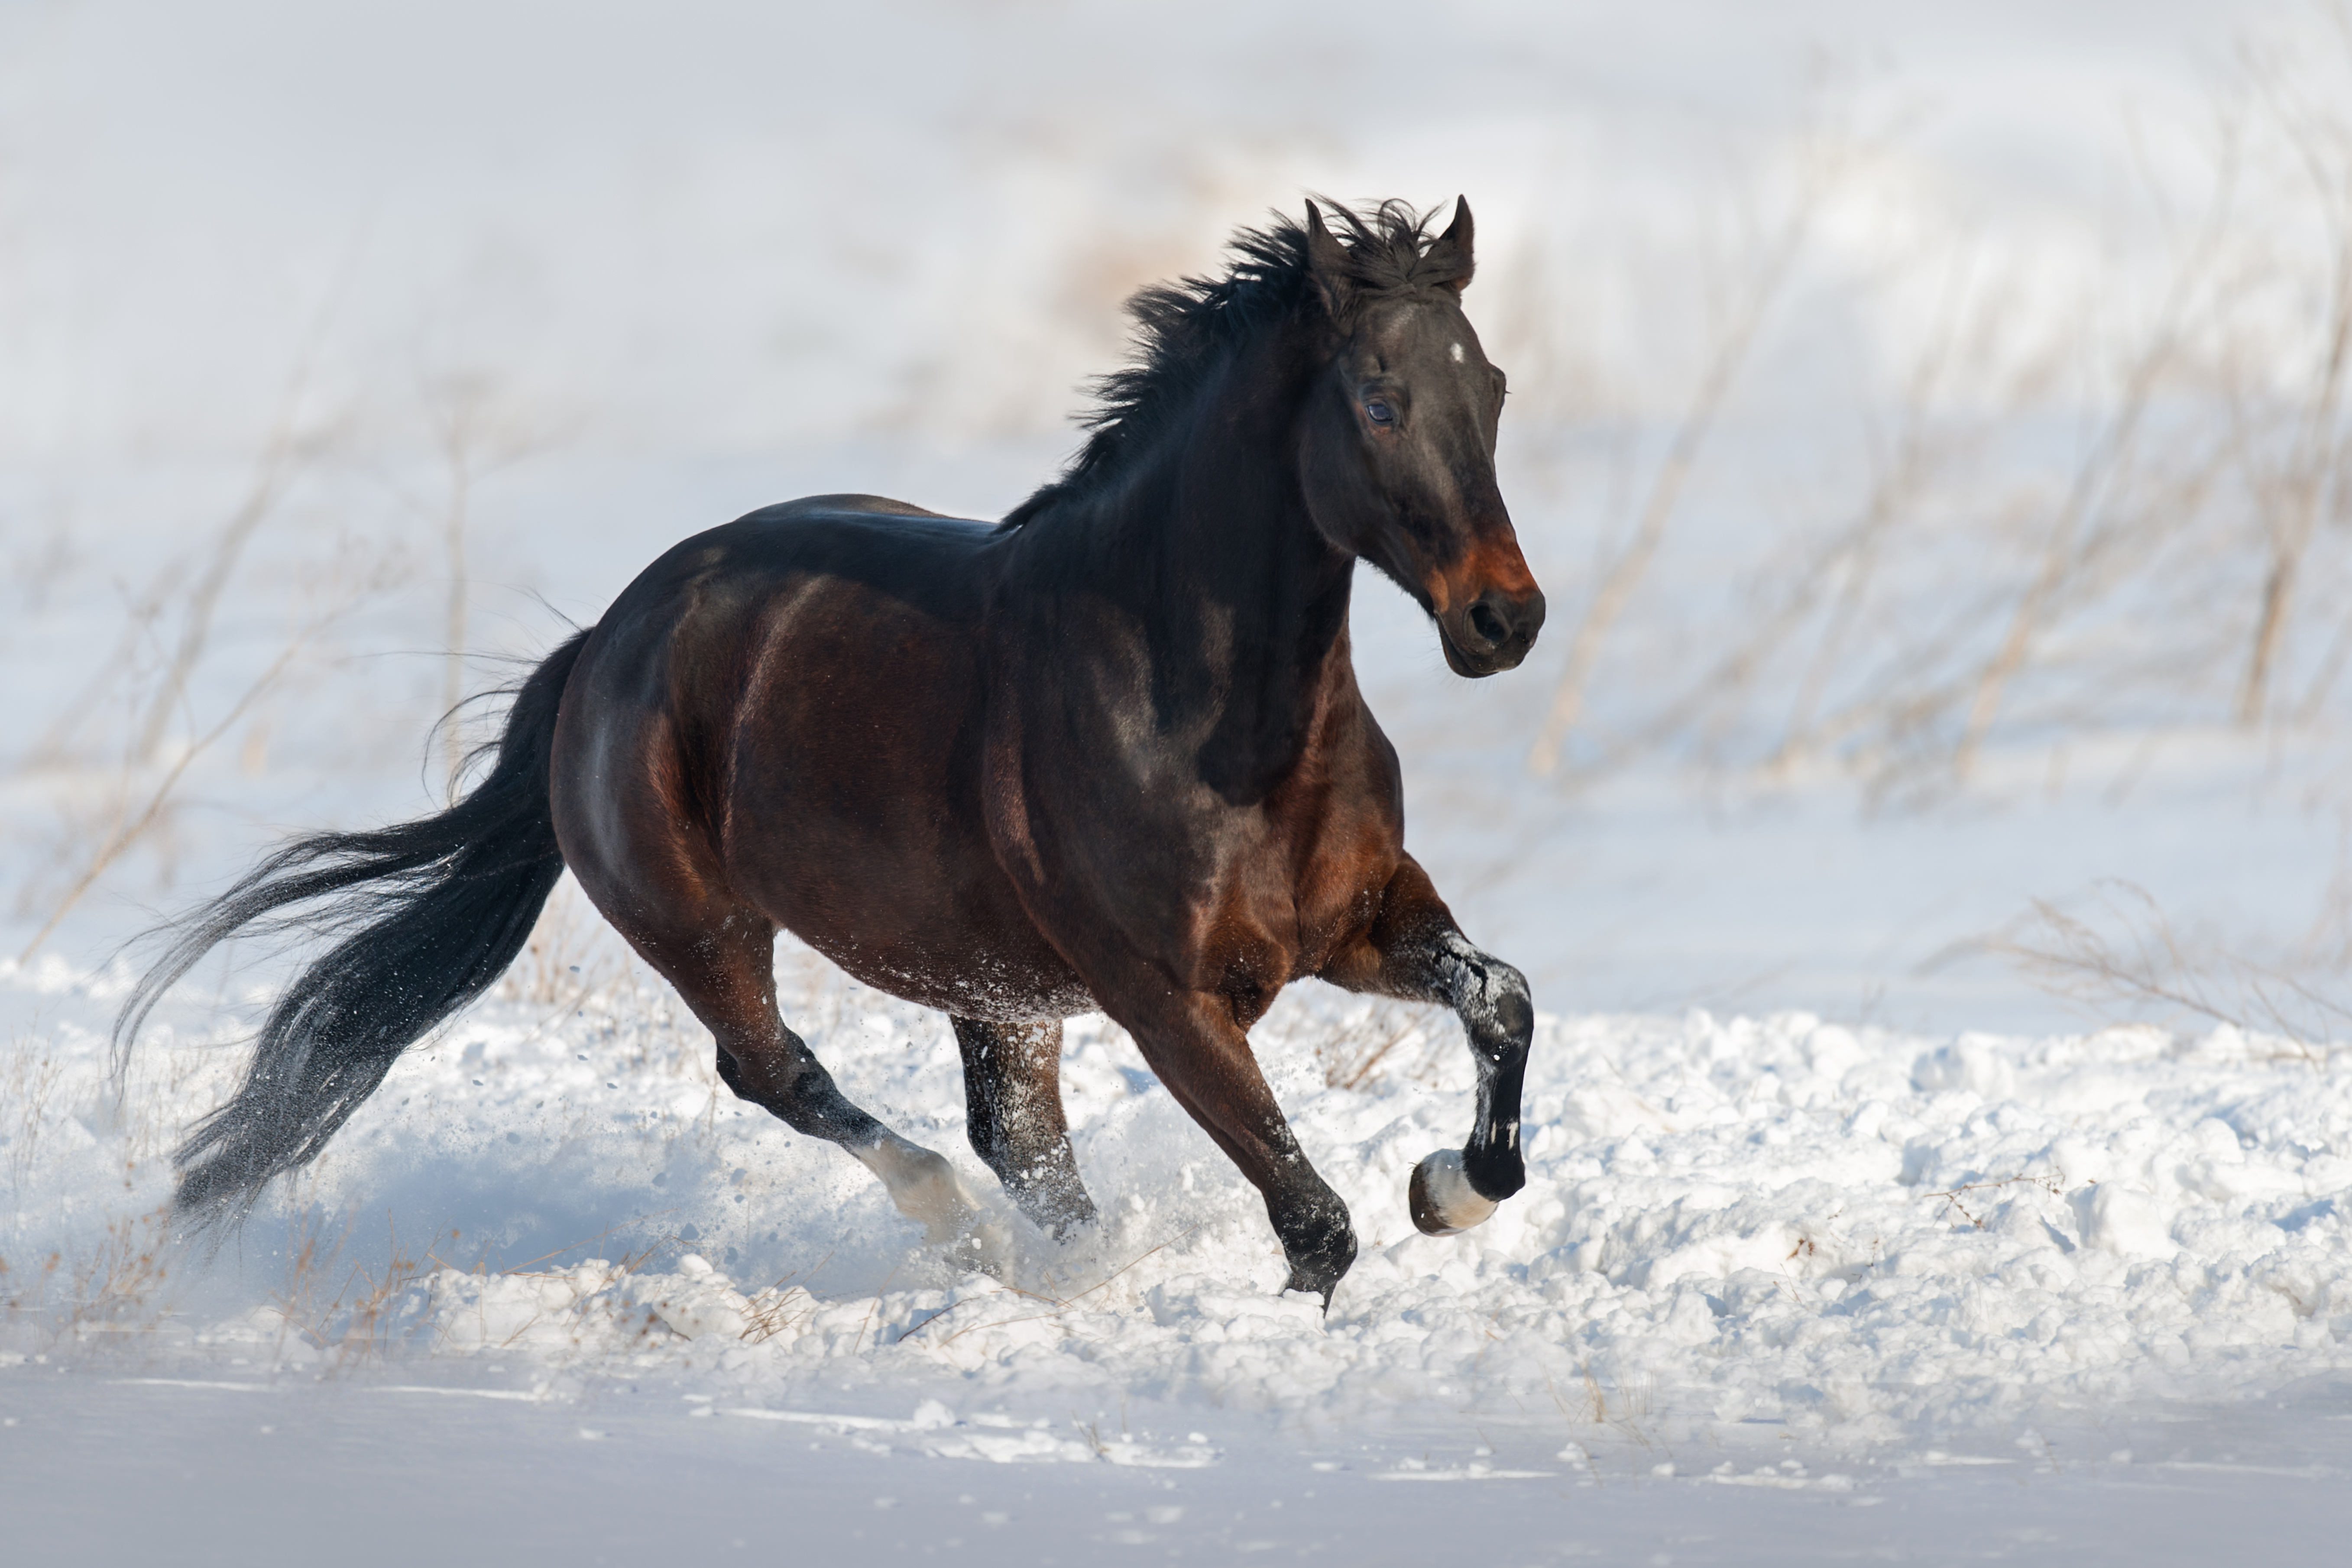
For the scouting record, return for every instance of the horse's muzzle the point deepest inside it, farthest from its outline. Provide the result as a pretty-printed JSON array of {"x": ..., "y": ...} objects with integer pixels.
[{"x": 1492, "y": 633}]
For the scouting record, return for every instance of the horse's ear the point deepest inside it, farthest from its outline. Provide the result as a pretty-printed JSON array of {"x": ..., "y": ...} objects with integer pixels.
[
  {"x": 1455, "y": 245},
  {"x": 1327, "y": 263}
]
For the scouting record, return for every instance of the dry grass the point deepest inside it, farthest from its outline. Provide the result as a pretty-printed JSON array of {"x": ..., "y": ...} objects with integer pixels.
[
  {"x": 1625, "y": 1413},
  {"x": 36, "y": 1070},
  {"x": 2125, "y": 952},
  {"x": 2123, "y": 515},
  {"x": 571, "y": 954},
  {"x": 132, "y": 819},
  {"x": 1359, "y": 1046},
  {"x": 479, "y": 427},
  {"x": 781, "y": 1308},
  {"x": 1734, "y": 345},
  {"x": 1957, "y": 1199},
  {"x": 114, "y": 1285},
  {"x": 367, "y": 1306}
]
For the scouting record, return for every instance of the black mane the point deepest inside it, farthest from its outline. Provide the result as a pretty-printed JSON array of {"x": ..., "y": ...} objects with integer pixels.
[{"x": 1186, "y": 329}]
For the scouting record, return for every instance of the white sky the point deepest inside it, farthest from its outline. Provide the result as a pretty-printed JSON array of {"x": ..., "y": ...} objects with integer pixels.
[{"x": 706, "y": 227}]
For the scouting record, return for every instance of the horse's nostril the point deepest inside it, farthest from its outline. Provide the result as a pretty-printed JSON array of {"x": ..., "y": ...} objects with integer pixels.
[{"x": 1488, "y": 624}]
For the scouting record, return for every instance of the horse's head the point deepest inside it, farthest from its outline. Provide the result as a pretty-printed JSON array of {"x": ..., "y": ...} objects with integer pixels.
[{"x": 1397, "y": 455}]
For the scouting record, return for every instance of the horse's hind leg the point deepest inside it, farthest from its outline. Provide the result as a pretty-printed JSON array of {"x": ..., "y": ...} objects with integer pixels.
[
  {"x": 724, "y": 968},
  {"x": 1416, "y": 952},
  {"x": 1013, "y": 1090}
]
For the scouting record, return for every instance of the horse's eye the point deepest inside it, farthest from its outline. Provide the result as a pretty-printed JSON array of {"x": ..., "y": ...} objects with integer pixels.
[{"x": 1379, "y": 412}]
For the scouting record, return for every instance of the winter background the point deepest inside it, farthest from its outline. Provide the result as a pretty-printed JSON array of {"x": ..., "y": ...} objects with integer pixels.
[{"x": 1925, "y": 821}]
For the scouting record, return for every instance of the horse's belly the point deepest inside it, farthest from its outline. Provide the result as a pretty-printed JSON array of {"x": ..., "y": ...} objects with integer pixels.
[
  {"x": 967, "y": 983},
  {"x": 915, "y": 908},
  {"x": 855, "y": 823}
]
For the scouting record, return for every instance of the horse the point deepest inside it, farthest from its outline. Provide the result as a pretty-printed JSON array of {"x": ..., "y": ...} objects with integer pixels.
[{"x": 1108, "y": 754}]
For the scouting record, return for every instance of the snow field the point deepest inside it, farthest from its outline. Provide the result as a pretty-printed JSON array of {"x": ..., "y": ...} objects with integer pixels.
[{"x": 1779, "y": 1240}]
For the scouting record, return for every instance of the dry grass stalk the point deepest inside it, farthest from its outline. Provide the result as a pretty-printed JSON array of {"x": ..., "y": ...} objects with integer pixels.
[
  {"x": 2096, "y": 475},
  {"x": 117, "y": 1286},
  {"x": 1842, "y": 571},
  {"x": 282, "y": 455},
  {"x": 34, "y": 1071},
  {"x": 571, "y": 953},
  {"x": 1357, "y": 1051},
  {"x": 1734, "y": 345},
  {"x": 2324, "y": 146},
  {"x": 2053, "y": 1185},
  {"x": 2152, "y": 963},
  {"x": 288, "y": 446},
  {"x": 2159, "y": 576},
  {"x": 478, "y": 431},
  {"x": 132, "y": 826},
  {"x": 781, "y": 1306}
]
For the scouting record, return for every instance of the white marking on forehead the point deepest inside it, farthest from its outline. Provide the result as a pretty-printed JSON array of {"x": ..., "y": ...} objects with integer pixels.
[{"x": 1457, "y": 353}]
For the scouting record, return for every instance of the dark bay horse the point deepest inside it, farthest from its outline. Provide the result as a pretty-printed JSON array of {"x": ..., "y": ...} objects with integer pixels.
[{"x": 1108, "y": 754}]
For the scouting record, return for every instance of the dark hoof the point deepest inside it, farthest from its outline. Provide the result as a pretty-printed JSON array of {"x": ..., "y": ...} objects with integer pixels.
[
  {"x": 1062, "y": 1216},
  {"x": 1318, "y": 1273},
  {"x": 1317, "y": 1284}
]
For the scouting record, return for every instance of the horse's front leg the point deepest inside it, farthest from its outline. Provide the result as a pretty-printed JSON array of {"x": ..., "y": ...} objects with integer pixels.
[
  {"x": 1414, "y": 951},
  {"x": 1199, "y": 1048}
]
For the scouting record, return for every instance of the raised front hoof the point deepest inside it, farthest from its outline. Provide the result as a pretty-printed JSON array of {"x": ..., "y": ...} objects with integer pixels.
[{"x": 1443, "y": 1202}]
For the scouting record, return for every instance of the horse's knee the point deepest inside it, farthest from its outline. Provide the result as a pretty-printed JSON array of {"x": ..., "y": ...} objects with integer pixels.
[
  {"x": 1492, "y": 997},
  {"x": 1510, "y": 1006}
]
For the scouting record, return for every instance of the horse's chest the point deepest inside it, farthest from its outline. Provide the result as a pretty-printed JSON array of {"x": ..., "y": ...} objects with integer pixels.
[{"x": 1298, "y": 891}]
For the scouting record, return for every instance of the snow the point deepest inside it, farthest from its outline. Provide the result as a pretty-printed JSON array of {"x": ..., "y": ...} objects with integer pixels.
[
  {"x": 1781, "y": 1255},
  {"x": 1843, "y": 1236},
  {"x": 228, "y": 1477}
]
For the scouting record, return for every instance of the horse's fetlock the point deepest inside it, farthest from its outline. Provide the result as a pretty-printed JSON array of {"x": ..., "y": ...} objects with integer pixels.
[{"x": 1495, "y": 1172}]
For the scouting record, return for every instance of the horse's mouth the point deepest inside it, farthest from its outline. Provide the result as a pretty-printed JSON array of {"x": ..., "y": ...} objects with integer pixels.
[
  {"x": 1485, "y": 643},
  {"x": 1476, "y": 667}
]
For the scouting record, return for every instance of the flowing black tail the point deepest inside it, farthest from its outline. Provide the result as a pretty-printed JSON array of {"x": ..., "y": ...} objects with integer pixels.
[{"x": 432, "y": 912}]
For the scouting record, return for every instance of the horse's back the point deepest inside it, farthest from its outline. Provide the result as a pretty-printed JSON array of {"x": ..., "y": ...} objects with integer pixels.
[
  {"x": 876, "y": 506},
  {"x": 927, "y": 559}
]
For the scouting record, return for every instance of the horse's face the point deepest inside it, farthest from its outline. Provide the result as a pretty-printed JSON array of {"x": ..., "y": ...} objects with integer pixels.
[{"x": 1397, "y": 464}]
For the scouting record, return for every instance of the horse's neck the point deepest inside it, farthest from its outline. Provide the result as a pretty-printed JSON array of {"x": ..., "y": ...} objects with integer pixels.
[{"x": 1246, "y": 619}]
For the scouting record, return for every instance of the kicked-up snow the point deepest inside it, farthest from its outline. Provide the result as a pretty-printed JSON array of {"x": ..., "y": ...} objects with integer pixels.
[{"x": 1739, "y": 1238}]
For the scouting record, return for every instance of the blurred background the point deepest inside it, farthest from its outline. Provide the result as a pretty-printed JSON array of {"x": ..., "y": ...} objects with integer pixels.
[{"x": 1928, "y": 422}]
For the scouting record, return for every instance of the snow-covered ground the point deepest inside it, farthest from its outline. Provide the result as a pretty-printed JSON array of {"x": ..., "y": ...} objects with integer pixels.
[
  {"x": 1844, "y": 1235},
  {"x": 2078, "y": 1298}
]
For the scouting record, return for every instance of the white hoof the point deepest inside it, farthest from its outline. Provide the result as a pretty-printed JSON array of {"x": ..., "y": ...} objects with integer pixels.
[
  {"x": 1443, "y": 1202},
  {"x": 924, "y": 1187}
]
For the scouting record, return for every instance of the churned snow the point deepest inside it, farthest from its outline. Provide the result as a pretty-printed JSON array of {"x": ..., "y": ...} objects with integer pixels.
[{"x": 1778, "y": 1253}]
